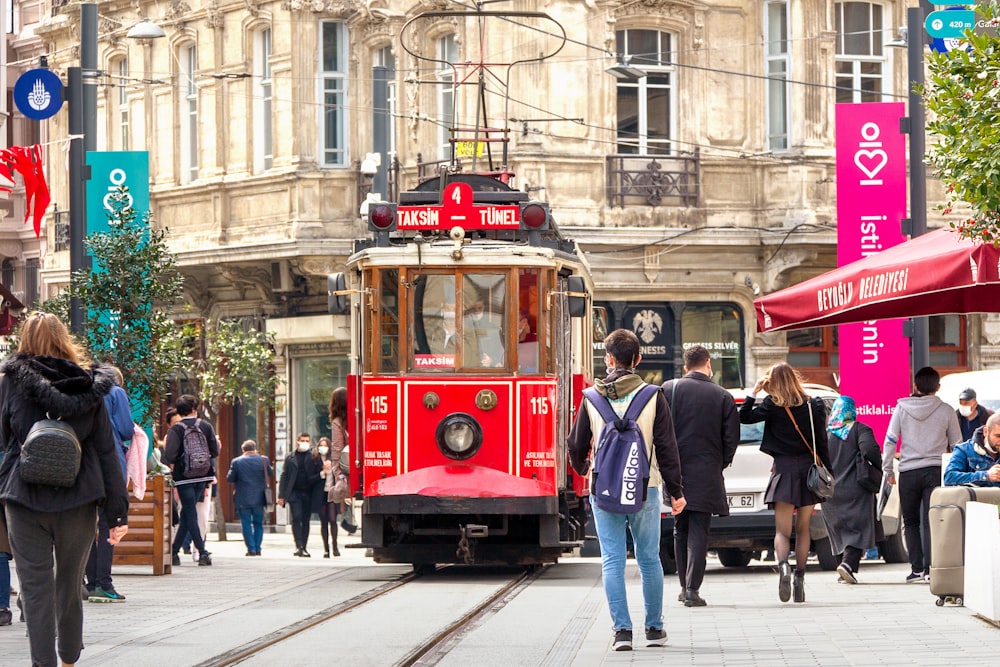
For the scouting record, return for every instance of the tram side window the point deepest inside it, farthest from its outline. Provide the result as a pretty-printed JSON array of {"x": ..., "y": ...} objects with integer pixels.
[
  {"x": 527, "y": 321},
  {"x": 485, "y": 297},
  {"x": 389, "y": 321},
  {"x": 435, "y": 329}
]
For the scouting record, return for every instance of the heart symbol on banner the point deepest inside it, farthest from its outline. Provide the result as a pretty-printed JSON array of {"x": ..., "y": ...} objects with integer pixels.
[{"x": 871, "y": 162}]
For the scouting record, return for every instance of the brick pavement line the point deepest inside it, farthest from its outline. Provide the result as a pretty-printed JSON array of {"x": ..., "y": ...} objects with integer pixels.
[{"x": 574, "y": 633}]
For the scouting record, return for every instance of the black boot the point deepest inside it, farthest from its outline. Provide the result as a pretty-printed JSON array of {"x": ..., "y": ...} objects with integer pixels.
[
  {"x": 784, "y": 581},
  {"x": 799, "y": 586}
]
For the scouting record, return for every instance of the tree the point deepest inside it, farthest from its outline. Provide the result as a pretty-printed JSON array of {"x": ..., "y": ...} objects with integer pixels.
[
  {"x": 237, "y": 366},
  {"x": 125, "y": 296},
  {"x": 964, "y": 97}
]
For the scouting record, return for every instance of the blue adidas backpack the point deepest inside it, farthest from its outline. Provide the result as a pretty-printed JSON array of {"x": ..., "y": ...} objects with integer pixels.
[{"x": 621, "y": 462}]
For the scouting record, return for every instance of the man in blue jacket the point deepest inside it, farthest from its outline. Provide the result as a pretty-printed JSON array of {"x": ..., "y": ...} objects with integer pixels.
[
  {"x": 250, "y": 474},
  {"x": 977, "y": 460},
  {"x": 99, "y": 586}
]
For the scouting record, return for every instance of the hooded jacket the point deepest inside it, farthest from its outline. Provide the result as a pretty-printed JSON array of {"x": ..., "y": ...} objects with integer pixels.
[
  {"x": 654, "y": 421},
  {"x": 923, "y": 428},
  {"x": 34, "y": 387},
  {"x": 970, "y": 463}
]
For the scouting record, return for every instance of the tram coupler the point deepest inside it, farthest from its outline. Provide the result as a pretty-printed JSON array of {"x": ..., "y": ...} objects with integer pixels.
[{"x": 469, "y": 532}]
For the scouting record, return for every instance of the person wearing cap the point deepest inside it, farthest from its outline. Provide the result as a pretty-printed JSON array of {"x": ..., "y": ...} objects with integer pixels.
[{"x": 971, "y": 415}]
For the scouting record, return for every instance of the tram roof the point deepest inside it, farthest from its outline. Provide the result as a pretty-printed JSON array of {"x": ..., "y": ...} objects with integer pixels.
[{"x": 440, "y": 253}]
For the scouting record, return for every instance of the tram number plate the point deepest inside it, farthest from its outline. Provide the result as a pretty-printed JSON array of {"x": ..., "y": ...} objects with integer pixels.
[{"x": 737, "y": 500}]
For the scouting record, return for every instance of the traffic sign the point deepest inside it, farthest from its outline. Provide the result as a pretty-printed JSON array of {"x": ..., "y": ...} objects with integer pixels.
[
  {"x": 458, "y": 210},
  {"x": 38, "y": 93},
  {"x": 950, "y": 23}
]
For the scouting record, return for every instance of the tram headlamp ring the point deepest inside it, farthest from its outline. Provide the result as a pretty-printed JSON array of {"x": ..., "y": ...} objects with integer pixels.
[{"x": 459, "y": 435}]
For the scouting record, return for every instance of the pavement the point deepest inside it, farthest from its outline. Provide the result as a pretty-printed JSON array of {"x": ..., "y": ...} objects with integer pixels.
[{"x": 199, "y": 612}]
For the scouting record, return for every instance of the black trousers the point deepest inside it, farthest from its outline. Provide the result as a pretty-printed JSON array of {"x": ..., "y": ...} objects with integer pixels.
[
  {"x": 915, "y": 488},
  {"x": 300, "y": 504},
  {"x": 189, "y": 495},
  {"x": 101, "y": 555},
  {"x": 50, "y": 551},
  {"x": 691, "y": 546}
]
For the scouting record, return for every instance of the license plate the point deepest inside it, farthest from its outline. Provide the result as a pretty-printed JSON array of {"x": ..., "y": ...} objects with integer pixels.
[{"x": 738, "y": 500}]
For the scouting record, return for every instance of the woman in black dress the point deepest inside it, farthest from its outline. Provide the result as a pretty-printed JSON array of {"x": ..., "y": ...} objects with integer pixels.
[{"x": 793, "y": 423}]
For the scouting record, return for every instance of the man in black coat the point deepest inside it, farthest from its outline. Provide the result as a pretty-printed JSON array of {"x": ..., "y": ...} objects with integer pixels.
[{"x": 707, "y": 428}]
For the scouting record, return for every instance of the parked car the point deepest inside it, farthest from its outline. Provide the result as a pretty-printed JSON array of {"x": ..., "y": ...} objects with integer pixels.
[{"x": 749, "y": 529}]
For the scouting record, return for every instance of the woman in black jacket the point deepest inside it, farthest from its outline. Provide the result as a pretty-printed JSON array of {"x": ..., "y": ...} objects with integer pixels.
[
  {"x": 299, "y": 486},
  {"x": 789, "y": 415},
  {"x": 45, "y": 378}
]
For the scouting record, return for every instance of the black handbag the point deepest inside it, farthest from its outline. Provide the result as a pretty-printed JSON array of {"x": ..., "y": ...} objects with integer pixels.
[
  {"x": 50, "y": 455},
  {"x": 869, "y": 475},
  {"x": 819, "y": 479}
]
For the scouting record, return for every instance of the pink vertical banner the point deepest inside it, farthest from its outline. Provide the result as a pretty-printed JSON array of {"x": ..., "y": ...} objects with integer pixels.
[{"x": 871, "y": 201}]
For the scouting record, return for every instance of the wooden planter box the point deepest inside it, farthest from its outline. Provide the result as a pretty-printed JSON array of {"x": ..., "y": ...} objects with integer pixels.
[{"x": 148, "y": 539}]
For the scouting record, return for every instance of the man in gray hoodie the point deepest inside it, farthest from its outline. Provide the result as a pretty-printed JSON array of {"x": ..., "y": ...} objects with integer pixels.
[{"x": 922, "y": 428}]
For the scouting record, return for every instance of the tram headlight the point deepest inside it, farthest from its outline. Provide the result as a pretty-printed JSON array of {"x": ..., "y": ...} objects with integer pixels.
[{"x": 459, "y": 435}]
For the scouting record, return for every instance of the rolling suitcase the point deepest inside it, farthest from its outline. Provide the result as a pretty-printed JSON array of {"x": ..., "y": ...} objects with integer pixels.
[{"x": 947, "y": 521}]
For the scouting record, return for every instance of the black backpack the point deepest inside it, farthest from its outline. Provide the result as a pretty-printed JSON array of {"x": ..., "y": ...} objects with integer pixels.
[
  {"x": 197, "y": 457},
  {"x": 50, "y": 455}
]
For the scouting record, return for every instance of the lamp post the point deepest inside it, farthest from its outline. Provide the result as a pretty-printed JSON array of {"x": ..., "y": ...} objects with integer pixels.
[{"x": 918, "y": 172}]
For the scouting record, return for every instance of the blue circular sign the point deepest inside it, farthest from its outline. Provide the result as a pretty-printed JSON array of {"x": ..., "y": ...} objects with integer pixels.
[{"x": 38, "y": 94}]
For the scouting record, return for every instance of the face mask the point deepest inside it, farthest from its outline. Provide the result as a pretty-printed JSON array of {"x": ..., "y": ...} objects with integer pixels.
[
  {"x": 965, "y": 410},
  {"x": 324, "y": 450},
  {"x": 303, "y": 446}
]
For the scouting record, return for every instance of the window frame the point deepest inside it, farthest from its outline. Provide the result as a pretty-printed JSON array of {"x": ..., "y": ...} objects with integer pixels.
[
  {"x": 641, "y": 142},
  {"x": 857, "y": 61},
  {"x": 333, "y": 84},
  {"x": 384, "y": 57},
  {"x": 781, "y": 62},
  {"x": 263, "y": 136},
  {"x": 446, "y": 48},
  {"x": 122, "y": 111},
  {"x": 187, "y": 63}
]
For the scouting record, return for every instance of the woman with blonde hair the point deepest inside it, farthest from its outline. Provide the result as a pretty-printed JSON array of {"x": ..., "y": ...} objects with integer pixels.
[
  {"x": 52, "y": 528},
  {"x": 794, "y": 427}
]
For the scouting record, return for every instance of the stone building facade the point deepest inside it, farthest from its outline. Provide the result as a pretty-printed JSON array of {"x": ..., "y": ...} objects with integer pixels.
[{"x": 692, "y": 188}]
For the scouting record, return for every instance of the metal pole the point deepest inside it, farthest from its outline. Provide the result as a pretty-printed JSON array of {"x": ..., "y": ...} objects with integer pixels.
[
  {"x": 918, "y": 173},
  {"x": 82, "y": 123}
]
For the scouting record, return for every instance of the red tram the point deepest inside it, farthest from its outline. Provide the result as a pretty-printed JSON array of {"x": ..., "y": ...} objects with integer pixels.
[{"x": 471, "y": 343}]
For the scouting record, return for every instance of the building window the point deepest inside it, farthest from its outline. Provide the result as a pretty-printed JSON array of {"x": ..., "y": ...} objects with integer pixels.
[
  {"x": 333, "y": 74},
  {"x": 262, "y": 117},
  {"x": 7, "y": 274},
  {"x": 30, "y": 282},
  {"x": 385, "y": 58},
  {"x": 947, "y": 343},
  {"x": 777, "y": 62},
  {"x": 314, "y": 379},
  {"x": 447, "y": 50},
  {"x": 861, "y": 64},
  {"x": 189, "y": 113},
  {"x": 121, "y": 69},
  {"x": 645, "y": 105}
]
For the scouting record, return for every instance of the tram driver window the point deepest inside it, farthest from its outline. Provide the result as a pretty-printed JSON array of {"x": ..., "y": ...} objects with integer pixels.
[{"x": 485, "y": 297}]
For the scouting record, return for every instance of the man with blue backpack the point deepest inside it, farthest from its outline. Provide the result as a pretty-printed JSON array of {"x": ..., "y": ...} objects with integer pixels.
[{"x": 627, "y": 424}]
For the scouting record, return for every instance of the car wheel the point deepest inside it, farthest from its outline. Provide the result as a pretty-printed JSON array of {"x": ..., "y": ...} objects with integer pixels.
[
  {"x": 893, "y": 549},
  {"x": 733, "y": 557},
  {"x": 667, "y": 560},
  {"x": 824, "y": 552}
]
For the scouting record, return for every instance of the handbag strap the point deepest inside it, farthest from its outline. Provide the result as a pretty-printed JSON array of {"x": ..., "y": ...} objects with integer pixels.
[{"x": 812, "y": 428}]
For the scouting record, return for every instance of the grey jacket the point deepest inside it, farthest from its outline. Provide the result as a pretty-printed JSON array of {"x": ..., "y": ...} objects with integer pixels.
[{"x": 922, "y": 428}]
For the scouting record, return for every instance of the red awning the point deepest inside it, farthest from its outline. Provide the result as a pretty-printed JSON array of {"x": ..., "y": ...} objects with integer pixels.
[{"x": 934, "y": 274}]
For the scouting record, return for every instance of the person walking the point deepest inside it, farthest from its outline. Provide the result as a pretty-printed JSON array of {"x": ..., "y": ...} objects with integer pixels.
[
  {"x": 850, "y": 513},
  {"x": 921, "y": 429},
  {"x": 620, "y": 386},
  {"x": 707, "y": 428},
  {"x": 300, "y": 477},
  {"x": 195, "y": 434},
  {"x": 100, "y": 586},
  {"x": 971, "y": 415},
  {"x": 339, "y": 457},
  {"x": 52, "y": 528},
  {"x": 788, "y": 414},
  {"x": 249, "y": 475},
  {"x": 327, "y": 515}
]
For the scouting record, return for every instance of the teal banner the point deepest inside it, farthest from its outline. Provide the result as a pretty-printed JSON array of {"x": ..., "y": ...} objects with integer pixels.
[{"x": 110, "y": 170}]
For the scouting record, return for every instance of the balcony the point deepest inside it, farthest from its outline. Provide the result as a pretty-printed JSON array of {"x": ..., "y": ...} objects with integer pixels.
[{"x": 646, "y": 180}]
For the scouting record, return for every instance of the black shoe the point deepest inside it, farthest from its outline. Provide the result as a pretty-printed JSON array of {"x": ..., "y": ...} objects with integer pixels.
[
  {"x": 784, "y": 581},
  {"x": 336, "y": 551},
  {"x": 250, "y": 553},
  {"x": 799, "y": 586},
  {"x": 205, "y": 558},
  {"x": 175, "y": 560},
  {"x": 187, "y": 552},
  {"x": 680, "y": 596},
  {"x": 20, "y": 609},
  {"x": 692, "y": 599},
  {"x": 847, "y": 574},
  {"x": 305, "y": 554},
  {"x": 623, "y": 640},
  {"x": 326, "y": 554},
  {"x": 6, "y": 618}
]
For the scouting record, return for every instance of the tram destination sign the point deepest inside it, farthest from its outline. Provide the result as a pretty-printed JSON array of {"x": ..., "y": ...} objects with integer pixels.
[{"x": 457, "y": 209}]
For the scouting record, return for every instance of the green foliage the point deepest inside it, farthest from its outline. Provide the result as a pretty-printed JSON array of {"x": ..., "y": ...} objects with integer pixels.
[
  {"x": 964, "y": 96},
  {"x": 237, "y": 366},
  {"x": 124, "y": 295}
]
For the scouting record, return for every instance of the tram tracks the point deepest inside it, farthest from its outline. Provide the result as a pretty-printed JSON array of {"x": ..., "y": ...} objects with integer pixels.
[{"x": 428, "y": 652}]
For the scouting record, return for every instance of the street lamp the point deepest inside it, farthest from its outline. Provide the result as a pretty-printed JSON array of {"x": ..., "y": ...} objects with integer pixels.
[{"x": 82, "y": 94}]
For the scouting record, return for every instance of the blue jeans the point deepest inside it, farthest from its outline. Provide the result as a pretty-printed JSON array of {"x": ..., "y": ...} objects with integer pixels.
[
  {"x": 645, "y": 525},
  {"x": 252, "y": 520},
  {"x": 4, "y": 580}
]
